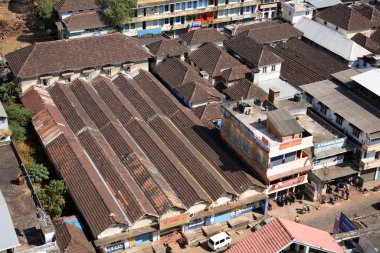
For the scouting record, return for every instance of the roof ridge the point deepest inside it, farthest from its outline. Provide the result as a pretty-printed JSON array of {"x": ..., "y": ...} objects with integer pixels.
[{"x": 286, "y": 229}]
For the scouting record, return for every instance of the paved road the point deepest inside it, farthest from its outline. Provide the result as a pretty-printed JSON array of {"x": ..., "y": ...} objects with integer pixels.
[{"x": 359, "y": 204}]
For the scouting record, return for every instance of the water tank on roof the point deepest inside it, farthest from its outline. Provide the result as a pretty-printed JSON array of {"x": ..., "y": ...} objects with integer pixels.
[{"x": 297, "y": 97}]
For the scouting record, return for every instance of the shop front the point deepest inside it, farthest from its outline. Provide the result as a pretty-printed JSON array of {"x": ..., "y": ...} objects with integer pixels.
[{"x": 284, "y": 185}]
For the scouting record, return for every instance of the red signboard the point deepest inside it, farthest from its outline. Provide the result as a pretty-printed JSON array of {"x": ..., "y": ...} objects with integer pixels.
[
  {"x": 290, "y": 144},
  {"x": 174, "y": 221},
  {"x": 287, "y": 183}
]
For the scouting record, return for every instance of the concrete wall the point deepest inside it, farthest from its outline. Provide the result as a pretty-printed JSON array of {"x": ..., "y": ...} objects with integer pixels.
[{"x": 269, "y": 74}]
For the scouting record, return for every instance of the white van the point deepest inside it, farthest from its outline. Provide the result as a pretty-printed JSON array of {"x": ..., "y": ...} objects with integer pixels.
[{"x": 219, "y": 241}]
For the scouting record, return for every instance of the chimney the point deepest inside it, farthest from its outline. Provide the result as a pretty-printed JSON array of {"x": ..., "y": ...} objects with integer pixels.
[{"x": 274, "y": 94}]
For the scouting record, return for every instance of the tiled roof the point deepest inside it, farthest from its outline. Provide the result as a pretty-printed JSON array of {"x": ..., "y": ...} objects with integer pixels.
[
  {"x": 201, "y": 36},
  {"x": 184, "y": 79},
  {"x": 367, "y": 43},
  {"x": 75, "y": 5},
  {"x": 272, "y": 33},
  {"x": 245, "y": 27},
  {"x": 57, "y": 56},
  {"x": 280, "y": 233},
  {"x": 235, "y": 73},
  {"x": 369, "y": 11},
  {"x": 345, "y": 17},
  {"x": 72, "y": 239},
  {"x": 213, "y": 60},
  {"x": 84, "y": 20},
  {"x": 256, "y": 54},
  {"x": 166, "y": 47},
  {"x": 208, "y": 113},
  {"x": 245, "y": 90},
  {"x": 376, "y": 36},
  {"x": 127, "y": 149},
  {"x": 304, "y": 63}
]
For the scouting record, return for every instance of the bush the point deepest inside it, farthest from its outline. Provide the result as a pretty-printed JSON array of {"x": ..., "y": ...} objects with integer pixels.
[
  {"x": 18, "y": 118},
  {"x": 46, "y": 16},
  {"x": 52, "y": 197},
  {"x": 38, "y": 173}
]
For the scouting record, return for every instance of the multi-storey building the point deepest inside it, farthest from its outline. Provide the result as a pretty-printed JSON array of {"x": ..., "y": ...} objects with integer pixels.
[
  {"x": 270, "y": 141},
  {"x": 354, "y": 113},
  {"x": 155, "y": 16}
]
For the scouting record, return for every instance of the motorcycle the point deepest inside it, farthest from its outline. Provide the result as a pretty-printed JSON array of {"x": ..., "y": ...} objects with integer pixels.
[
  {"x": 304, "y": 209},
  {"x": 376, "y": 188}
]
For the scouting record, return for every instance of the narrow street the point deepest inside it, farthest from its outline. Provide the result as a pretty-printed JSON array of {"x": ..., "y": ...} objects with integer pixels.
[{"x": 358, "y": 204}]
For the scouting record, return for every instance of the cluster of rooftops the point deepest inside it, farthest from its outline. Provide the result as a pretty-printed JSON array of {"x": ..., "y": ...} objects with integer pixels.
[{"x": 129, "y": 150}]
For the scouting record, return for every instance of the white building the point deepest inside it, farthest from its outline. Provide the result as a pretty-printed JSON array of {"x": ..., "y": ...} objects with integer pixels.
[{"x": 292, "y": 11}]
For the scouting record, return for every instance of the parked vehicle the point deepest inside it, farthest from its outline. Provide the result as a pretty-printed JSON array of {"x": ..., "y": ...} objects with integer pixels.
[
  {"x": 334, "y": 199},
  {"x": 219, "y": 240},
  {"x": 376, "y": 188}
]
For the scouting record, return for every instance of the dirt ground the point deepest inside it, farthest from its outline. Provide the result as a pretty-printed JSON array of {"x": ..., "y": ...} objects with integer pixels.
[{"x": 16, "y": 31}]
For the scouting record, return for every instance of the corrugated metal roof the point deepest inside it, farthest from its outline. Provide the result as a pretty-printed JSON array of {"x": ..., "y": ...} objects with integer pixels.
[
  {"x": 348, "y": 105},
  {"x": 369, "y": 80},
  {"x": 331, "y": 40},
  {"x": 319, "y": 4},
  {"x": 8, "y": 237}
]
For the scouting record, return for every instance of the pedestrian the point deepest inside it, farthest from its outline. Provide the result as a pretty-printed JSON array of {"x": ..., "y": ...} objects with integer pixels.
[
  {"x": 347, "y": 194},
  {"x": 297, "y": 219}
]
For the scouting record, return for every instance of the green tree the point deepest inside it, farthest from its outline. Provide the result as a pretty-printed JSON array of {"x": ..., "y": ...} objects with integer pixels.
[
  {"x": 52, "y": 197},
  {"x": 18, "y": 118},
  {"x": 46, "y": 16},
  {"x": 9, "y": 91},
  {"x": 38, "y": 173},
  {"x": 117, "y": 13}
]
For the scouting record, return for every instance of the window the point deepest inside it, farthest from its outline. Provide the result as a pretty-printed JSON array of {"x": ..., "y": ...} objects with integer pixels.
[
  {"x": 189, "y": 4},
  {"x": 178, "y": 6},
  {"x": 200, "y": 3},
  {"x": 325, "y": 23},
  {"x": 307, "y": 13},
  {"x": 132, "y": 26},
  {"x": 166, "y": 21},
  {"x": 195, "y": 3},
  {"x": 265, "y": 70},
  {"x": 355, "y": 131},
  {"x": 336, "y": 28},
  {"x": 178, "y": 19},
  {"x": 290, "y": 13},
  {"x": 166, "y": 8},
  {"x": 309, "y": 98},
  {"x": 338, "y": 119},
  {"x": 222, "y": 241},
  {"x": 273, "y": 67},
  {"x": 323, "y": 109}
]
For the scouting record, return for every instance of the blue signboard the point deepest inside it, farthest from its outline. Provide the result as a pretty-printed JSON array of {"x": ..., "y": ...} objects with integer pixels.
[
  {"x": 345, "y": 224},
  {"x": 115, "y": 247}
]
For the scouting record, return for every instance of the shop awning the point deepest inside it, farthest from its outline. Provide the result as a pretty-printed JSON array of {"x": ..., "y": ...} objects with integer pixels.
[
  {"x": 8, "y": 237},
  {"x": 334, "y": 172}
]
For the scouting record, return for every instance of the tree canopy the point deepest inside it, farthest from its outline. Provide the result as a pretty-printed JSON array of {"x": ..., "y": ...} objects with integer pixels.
[
  {"x": 52, "y": 197},
  {"x": 116, "y": 13}
]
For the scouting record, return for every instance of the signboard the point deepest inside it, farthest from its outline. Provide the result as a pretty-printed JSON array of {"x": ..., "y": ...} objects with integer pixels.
[
  {"x": 115, "y": 247},
  {"x": 345, "y": 224},
  {"x": 325, "y": 144},
  {"x": 287, "y": 183},
  {"x": 264, "y": 6},
  {"x": 290, "y": 144},
  {"x": 174, "y": 221}
]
